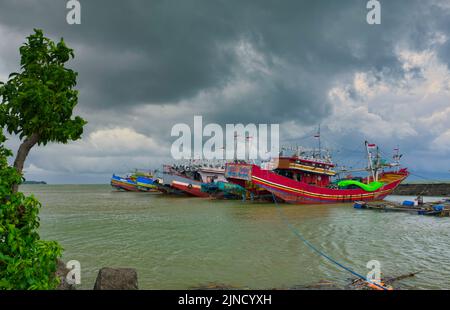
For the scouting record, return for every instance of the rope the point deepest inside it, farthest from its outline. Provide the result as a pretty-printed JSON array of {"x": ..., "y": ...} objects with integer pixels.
[
  {"x": 312, "y": 247},
  {"x": 426, "y": 179}
]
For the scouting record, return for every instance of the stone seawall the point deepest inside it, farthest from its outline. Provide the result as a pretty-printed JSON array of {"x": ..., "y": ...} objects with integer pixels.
[{"x": 435, "y": 189}]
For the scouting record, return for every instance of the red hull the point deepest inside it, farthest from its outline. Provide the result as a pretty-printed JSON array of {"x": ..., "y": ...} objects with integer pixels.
[
  {"x": 297, "y": 192},
  {"x": 191, "y": 188}
]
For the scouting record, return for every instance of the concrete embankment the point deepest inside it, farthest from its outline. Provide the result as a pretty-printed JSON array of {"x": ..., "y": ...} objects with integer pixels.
[{"x": 434, "y": 189}]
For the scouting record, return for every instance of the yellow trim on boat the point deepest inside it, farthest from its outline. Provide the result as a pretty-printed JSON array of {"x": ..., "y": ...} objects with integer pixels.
[
  {"x": 312, "y": 169},
  {"x": 294, "y": 190}
]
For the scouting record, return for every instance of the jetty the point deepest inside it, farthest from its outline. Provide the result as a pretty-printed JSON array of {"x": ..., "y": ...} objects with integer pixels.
[
  {"x": 423, "y": 189},
  {"x": 440, "y": 208}
]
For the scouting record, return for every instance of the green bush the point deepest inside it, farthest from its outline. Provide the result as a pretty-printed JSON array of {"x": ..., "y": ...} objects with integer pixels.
[{"x": 26, "y": 262}]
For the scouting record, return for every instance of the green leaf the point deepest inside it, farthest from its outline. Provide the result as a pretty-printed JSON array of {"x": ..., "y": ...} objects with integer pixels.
[{"x": 34, "y": 101}]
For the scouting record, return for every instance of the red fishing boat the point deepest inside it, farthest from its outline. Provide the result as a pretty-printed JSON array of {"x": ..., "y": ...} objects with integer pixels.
[{"x": 308, "y": 179}]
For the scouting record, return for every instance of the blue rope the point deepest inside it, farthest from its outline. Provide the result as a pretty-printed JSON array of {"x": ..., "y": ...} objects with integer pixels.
[{"x": 312, "y": 247}]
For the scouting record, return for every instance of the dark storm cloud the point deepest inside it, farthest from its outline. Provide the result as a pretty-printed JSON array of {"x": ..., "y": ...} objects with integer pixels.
[
  {"x": 160, "y": 52},
  {"x": 176, "y": 47},
  {"x": 147, "y": 65}
]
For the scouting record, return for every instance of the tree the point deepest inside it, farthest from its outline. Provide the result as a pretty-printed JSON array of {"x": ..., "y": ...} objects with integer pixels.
[
  {"x": 37, "y": 103},
  {"x": 26, "y": 262}
]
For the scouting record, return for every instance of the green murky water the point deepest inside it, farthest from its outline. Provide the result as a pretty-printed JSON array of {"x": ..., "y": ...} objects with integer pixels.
[{"x": 178, "y": 243}]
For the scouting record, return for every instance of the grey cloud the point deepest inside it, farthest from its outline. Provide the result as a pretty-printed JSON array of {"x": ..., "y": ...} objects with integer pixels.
[
  {"x": 136, "y": 54},
  {"x": 181, "y": 48}
]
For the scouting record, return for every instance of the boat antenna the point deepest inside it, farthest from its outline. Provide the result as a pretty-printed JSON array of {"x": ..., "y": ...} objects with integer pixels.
[
  {"x": 397, "y": 156},
  {"x": 317, "y": 135},
  {"x": 235, "y": 147},
  {"x": 369, "y": 159},
  {"x": 247, "y": 146},
  {"x": 377, "y": 164}
]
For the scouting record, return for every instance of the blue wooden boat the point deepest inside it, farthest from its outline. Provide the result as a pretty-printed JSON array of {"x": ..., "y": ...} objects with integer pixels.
[
  {"x": 146, "y": 184},
  {"x": 126, "y": 184}
]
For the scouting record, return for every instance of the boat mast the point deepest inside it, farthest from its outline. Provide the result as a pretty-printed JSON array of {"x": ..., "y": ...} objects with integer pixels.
[
  {"x": 247, "y": 145},
  {"x": 370, "y": 166},
  {"x": 377, "y": 164},
  {"x": 235, "y": 148},
  {"x": 397, "y": 157},
  {"x": 317, "y": 135}
]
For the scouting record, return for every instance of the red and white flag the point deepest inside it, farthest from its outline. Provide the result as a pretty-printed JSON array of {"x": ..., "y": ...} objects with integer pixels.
[{"x": 371, "y": 145}]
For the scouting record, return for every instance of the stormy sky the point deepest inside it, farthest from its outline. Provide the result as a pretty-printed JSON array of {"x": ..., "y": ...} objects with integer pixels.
[{"x": 146, "y": 65}]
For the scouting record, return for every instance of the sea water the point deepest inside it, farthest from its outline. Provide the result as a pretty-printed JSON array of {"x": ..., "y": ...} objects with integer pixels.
[{"x": 181, "y": 243}]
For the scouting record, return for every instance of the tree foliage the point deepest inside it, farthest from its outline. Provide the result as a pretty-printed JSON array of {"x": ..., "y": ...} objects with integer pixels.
[
  {"x": 26, "y": 262},
  {"x": 37, "y": 105},
  {"x": 41, "y": 98}
]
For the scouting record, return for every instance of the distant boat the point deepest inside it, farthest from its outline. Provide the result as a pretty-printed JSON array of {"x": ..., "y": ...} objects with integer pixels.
[
  {"x": 212, "y": 173},
  {"x": 34, "y": 183},
  {"x": 126, "y": 184},
  {"x": 224, "y": 190},
  {"x": 137, "y": 181},
  {"x": 306, "y": 178},
  {"x": 146, "y": 184},
  {"x": 217, "y": 186},
  {"x": 179, "y": 180},
  {"x": 189, "y": 186}
]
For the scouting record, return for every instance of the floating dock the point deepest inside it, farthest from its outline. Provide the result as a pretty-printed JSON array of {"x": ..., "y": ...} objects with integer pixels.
[
  {"x": 440, "y": 208},
  {"x": 423, "y": 189}
]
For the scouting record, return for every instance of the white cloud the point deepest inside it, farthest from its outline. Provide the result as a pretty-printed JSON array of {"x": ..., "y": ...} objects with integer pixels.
[
  {"x": 33, "y": 169},
  {"x": 438, "y": 38},
  {"x": 251, "y": 59},
  {"x": 119, "y": 141},
  {"x": 403, "y": 107},
  {"x": 442, "y": 142},
  {"x": 412, "y": 59},
  {"x": 9, "y": 42},
  {"x": 102, "y": 151},
  {"x": 442, "y": 4}
]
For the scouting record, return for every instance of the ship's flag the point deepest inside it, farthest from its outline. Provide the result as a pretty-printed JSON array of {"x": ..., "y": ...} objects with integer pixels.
[{"x": 371, "y": 145}]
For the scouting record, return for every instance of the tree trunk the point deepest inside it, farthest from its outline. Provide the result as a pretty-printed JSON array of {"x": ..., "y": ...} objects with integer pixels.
[{"x": 22, "y": 154}]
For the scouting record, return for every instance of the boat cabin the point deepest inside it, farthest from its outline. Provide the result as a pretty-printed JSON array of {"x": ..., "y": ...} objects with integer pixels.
[{"x": 313, "y": 171}]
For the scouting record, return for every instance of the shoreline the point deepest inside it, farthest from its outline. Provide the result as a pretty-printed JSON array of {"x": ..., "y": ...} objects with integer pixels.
[
  {"x": 423, "y": 189},
  {"x": 406, "y": 189}
]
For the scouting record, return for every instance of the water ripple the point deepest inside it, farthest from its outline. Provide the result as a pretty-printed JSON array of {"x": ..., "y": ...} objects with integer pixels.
[{"x": 177, "y": 243}]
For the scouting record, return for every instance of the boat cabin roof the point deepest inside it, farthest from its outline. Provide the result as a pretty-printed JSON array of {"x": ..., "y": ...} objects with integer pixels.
[{"x": 309, "y": 161}]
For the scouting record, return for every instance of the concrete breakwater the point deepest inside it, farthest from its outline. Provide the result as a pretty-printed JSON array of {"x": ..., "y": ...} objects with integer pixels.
[{"x": 430, "y": 189}]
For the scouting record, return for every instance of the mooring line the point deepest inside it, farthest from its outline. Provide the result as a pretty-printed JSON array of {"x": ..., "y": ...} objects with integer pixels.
[
  {"x": 433, "y": 181},
  {"x": 311, "y": 246}
]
